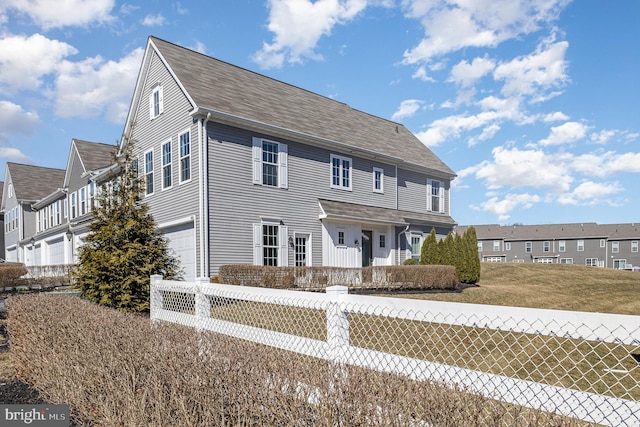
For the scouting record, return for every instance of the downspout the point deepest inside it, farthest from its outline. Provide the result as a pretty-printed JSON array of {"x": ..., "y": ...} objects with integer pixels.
[
  {"x": 398, "y": 241},
  {"x": 204, "y": 195}
]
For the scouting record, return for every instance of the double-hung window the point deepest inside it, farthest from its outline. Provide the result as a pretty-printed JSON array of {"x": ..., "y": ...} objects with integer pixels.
[
  {"x": 562, "y": 246},
  {"x": 615, "y": 247},
  {"x": 73, "y": 205},
  {"x": 270, "y": 163},
  {"x": 528, "y": 247},
  {"x": 270, "y": 244},
  {"x": 185, "y": 156},
  {"x": 83, "y": 201},
  {"x": 435, "y": 196},
  {"x": 58, "y": 216},
  {"x": 416, "y": 246},
  {"x": 580, "y": 245},
  {"x": 51, "y": 215},
  {"x": 496, "y": 245},
  {"x": 634, "y": 246},
  {"x": 148, "y": 172},
  {"x": 155, "y": 102},
  {"x": 92, "y": 195},
  {"x": 546, "y": 246},
  {"x": 340, "y": 172},
  {"x": 166, "y": 165},
  {"x": 378, "y": 180}
]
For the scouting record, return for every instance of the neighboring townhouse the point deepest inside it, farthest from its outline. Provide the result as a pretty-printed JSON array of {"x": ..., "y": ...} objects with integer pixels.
[
  {"x": 242, "y": 168},
  {"x": 48, "y": 209},
  {"x": 63, "y": 216},
  {"x": 25, "y": 185},
  {"x": 2, "y": 252},
  {"x": 601, "y": 245}
]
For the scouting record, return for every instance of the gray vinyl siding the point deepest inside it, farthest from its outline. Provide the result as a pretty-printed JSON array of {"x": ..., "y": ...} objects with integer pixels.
[
  {"x": 181, "y": 200},
  {"x": 11, "y": 237},
  {"x": 236, "y": 203},
  {"x": 412, "y": 191},
  {"x": 76, "y": 180}
]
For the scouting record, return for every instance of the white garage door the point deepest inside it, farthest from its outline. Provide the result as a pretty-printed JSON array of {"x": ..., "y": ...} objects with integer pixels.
[
  {"x": 56, "y": 252},
  {"x": 37, "y": 255},
  {"x": 181, "y": 240},
  {"x": 12, "y": 255}
]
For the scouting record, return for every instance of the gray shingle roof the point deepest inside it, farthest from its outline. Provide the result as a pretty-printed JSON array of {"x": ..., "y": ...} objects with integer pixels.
[
  {"x": 352, "y": 211},
  {"x": 34, "y": 182},
  {"x": 554, "y": 231},
  {"x": 219, "y": 86},
  {"x": 95, "y": 155}
]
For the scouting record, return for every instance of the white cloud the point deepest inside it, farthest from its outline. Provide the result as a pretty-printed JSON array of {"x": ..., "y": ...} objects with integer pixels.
[
  {"x": 590, "y": 193},
  {"x": 565, "y": 133},
  {"x": 14, "y": 155},
  {"x": 199, "y": 47},
  {"x": 154, "y": 20},
  {"x": 535, "y": 74},
  {"x": 603, "y": 136},
  {"x": 13, "y": 119},
  {"x": 94, "y": 86},
  {"x": 451, "y": 127},
  {"x": 478, "y": 23},
  {"x": 421, "y": 74},
  {"x": 515, "y": 168},
  {"x": 487, "y": 133},
  {"x": 503, "y": 208},
  {"x": 298, "y": 25},
  {"x": 407, "y": 108},
  {"x": 466, "y": 74},
  {"x": 25, "y": 60},
  {"x": 556, "y": 116},
  {"x": 50, "y": 14},
  {"x": 127, "y": 9}
]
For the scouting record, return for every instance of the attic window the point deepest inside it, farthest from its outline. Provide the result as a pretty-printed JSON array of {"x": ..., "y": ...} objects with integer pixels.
[
  {"x": 10, "y": 190},
  {"x": 155, "y": 102}
]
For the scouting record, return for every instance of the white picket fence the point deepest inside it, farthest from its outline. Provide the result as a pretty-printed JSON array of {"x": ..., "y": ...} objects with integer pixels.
[{"x": 592, "y": 352}]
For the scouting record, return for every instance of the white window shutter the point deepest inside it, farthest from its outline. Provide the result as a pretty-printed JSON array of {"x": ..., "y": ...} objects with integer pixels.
[
  {"x": 283, "y": 181},
  {"x": 257, "y": 160},
  {"x": 160, "y": 99},
  {"x": 283, "y": 253},
  {"x": 429, "y": 195},
  {"x": 151, "y": 105},
  {"x": 257, "y": 244},
  {"x": 441, "y": 194}
]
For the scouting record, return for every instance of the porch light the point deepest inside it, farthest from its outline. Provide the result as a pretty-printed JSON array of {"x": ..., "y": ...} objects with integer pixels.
[
  {"x": 68, "y": 234},
  {"x": 32, "y": 241},
  {"x": 357, "y": 243}
]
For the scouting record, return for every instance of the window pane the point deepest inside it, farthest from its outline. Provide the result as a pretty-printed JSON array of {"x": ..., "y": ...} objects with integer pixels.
[{"x": 270, "y": 245}]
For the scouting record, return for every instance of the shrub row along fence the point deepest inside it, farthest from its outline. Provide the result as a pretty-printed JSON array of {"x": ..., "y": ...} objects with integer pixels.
[
  {"x": 397, "y": 277},
  {"x": 575, "y": 364}
]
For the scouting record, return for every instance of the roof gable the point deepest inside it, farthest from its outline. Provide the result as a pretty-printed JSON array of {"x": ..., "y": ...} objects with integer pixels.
[
  {"x": 34, "y": 182},
  {"x": 217, "y": 86},
  {"x": 91, "y": 156}
]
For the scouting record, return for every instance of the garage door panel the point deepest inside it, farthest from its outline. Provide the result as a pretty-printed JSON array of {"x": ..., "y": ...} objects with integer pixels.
[
  {"x": 181, "y": 242},
  {"x": 56, "y": 252}
]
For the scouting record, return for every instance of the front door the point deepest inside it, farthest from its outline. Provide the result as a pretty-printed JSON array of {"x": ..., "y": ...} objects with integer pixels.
[{"x": 367, "y": 238}]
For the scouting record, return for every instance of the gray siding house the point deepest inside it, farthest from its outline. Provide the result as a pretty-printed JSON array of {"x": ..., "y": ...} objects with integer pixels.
[
  {"x": 242, "y": 168},
  {"x": 598, "y": 245},
  {"x": 50, "y": 208},
  {"x": 23, "y": 186}
]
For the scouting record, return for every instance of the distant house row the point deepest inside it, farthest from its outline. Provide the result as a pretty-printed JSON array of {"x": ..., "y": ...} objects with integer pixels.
[
  {"x": 598, "y": 245},
  {"x": 240, "y": 168}
]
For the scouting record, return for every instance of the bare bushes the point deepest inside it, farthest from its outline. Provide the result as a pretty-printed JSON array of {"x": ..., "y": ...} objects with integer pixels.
[
  {"x": 115, "y": 368},
  {"x": 414, "y": 277},
  {"x": 10, "y": 273}
]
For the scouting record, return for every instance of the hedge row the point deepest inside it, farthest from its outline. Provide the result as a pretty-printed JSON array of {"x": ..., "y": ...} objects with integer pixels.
[
  {"x": 404, "y": 277},
  {"x": 10, "y": 273},
  {"x": 119, "y": 369}
]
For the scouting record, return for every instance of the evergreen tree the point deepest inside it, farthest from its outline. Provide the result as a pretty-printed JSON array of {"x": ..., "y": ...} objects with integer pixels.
[
  {"x": 458, "y": 254},
  {"x": 124, "y": 246},
  {"x": 472, "y": 257},
  {"x": 447, "y": 253},
  {"x": 428, "y": 252}
]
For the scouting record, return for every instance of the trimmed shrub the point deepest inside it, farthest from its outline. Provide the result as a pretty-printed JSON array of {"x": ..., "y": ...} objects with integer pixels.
[
  {"x": 118, "y": 369},
  {"x": 11, "y": 272},
  {"x": 410, "y": 261}
]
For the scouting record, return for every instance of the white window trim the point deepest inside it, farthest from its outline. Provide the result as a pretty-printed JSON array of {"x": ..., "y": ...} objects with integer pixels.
[
  {"x": 528, "y": 247},
  {"x": 74, "y": 205},
  {"x": 580, "y": 247},
  {"x": 163, "y": 165},
  {"x": 152, "y": 114},
  {"x": 496, "y": 243},
  {"x": 634, "y": 246},
  {"x": 562, "y": 246},
  {"x": 341, "y": 159},
  {"x": 440, "y": 195},
  {"x": 507, "y": 246},
  {"x": 283, "y": 179},
  {"x": 146, "y": 189},
  {"x": 309, "y": 259},
  {"x": 283, "y": 241},
  {"x": 615, "y": 247},
  {"x": 420, "y": 236},
  {"x": 381, "y": 189},
  {"x": 181, "y": 157}
]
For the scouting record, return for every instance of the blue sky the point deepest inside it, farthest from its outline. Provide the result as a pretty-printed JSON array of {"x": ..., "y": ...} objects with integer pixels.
[{"x": 535, "y": 104}]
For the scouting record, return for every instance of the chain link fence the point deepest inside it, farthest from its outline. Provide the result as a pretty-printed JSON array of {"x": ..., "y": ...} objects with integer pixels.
[{"x": 581, "y": 365}]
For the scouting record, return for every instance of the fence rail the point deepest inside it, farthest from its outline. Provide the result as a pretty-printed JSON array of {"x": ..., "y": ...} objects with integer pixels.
[{"x": 572, "y": 363}]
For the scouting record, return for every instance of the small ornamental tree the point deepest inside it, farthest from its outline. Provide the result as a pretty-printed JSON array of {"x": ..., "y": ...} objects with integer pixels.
[
  {"x": 429, "y": 251},
  {"x": 124, "y": 247},
  {"x": 471, "y": 270}
]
